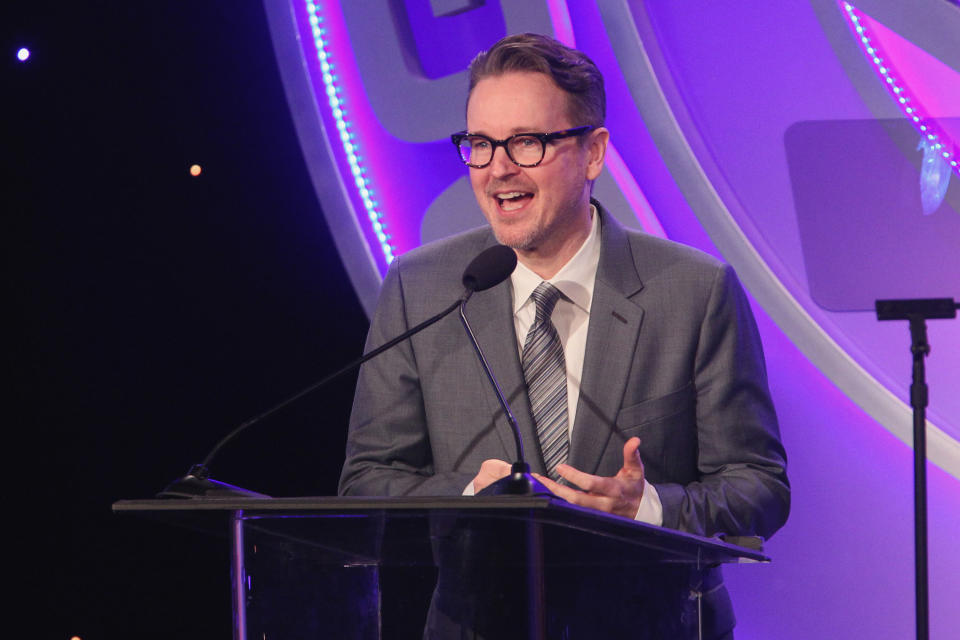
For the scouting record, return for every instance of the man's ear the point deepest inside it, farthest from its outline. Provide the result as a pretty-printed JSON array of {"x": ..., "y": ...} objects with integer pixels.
[{"x": 596, "y": 151}]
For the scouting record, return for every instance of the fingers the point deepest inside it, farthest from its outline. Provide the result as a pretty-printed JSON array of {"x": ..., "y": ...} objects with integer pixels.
[
  {"x": 583, "y": 480},
  {"x": 620, "y": 495},
  {"x": 555, "y": 488},
  {"x": 631, "y": 446},
  {"x": 490, "y": 471},
  {"x": 495, "y": 468},
  {"x": 569, "y": 494},
  {"x": 631, "y": 455},
  {"x": 589, "y": 485},
  {"x": 574, "y": 496}
]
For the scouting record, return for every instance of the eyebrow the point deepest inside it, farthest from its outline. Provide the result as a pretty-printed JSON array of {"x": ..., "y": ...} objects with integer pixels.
[{"x": 513, "y": 131}]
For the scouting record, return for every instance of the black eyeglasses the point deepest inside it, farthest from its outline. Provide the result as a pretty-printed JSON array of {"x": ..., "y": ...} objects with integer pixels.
[{"x": 523, "y": 149}]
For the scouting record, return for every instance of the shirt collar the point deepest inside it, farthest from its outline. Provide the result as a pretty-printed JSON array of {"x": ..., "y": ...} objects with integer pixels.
[{"x": 575, "y": 279}]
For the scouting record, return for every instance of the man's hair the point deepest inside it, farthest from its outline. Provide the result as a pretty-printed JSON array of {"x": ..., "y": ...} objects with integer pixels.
[{"x": 570, "y": 69}]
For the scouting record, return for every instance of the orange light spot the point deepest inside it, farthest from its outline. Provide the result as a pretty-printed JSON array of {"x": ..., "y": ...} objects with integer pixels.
[{"x": 195, "y": 170}]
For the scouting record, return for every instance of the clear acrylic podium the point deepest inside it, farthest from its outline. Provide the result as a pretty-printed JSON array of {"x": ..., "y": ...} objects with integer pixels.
[{"x": 509, "y": 567}]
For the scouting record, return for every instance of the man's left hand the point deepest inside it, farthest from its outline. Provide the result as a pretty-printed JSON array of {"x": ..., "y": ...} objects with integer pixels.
[{"x": 619, "y": 495}]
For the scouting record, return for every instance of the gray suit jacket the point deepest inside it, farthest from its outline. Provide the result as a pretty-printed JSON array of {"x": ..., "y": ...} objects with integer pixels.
[{"x": 673, "y": 356}]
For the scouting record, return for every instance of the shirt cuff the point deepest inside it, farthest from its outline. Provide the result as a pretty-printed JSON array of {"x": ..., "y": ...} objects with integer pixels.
[
  {"x": 651, "y": 509},
  {"x": 469, "y": 490}
]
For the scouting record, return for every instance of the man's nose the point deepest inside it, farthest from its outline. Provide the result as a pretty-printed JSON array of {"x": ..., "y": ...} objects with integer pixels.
[{"x": 501, "y": 164}]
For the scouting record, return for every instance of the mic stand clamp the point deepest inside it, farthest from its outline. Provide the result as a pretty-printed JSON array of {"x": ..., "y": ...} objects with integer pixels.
[
  {"x": 520, "y": 482},
  {"x": 198, "y": 483}
]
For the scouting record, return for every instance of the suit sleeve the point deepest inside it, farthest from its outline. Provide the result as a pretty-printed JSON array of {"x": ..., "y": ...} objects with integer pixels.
[
  {"x": 742, "y": 486},
  {"x": 388, "y": 445}
]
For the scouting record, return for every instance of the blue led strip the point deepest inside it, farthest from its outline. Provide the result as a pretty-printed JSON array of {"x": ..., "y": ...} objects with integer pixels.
[
  {"x": 348, "y": 139},
  {"x": 899, "y": 91}
]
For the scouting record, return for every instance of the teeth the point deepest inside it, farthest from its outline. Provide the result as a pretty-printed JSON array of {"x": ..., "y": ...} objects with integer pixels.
[
  {"x": 513, "y": 204},
  {"x": 509, "y": 196}
]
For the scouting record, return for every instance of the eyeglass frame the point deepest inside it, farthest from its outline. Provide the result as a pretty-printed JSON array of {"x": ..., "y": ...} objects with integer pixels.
[{"x": 544, "y": 138}]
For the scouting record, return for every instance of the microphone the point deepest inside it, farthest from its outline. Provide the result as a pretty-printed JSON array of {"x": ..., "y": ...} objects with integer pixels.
[{"x": 491, "y": 267}]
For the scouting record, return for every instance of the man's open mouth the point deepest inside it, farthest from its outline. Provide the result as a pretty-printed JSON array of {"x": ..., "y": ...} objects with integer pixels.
[{"x": 512, "y": 200}]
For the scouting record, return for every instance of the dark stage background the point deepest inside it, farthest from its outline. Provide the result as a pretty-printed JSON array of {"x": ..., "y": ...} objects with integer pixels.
[{"x": 153, "y": 311}]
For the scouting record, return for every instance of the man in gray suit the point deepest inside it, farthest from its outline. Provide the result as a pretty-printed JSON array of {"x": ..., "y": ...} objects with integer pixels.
[{"x": 662, "y": 411}]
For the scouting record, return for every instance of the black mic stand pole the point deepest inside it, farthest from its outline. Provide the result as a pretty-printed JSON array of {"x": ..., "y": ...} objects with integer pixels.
[
  {"x": 917, "y": 312},
  {"x": 919, "y": 347}
]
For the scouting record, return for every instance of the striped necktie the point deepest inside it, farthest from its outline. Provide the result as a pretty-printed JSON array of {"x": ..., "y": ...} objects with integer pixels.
[{"x": 545, "y": 371}]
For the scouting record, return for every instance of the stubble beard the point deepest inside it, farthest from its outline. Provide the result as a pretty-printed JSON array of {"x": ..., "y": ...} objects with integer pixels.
[
  {"x": 519, "y": 240},
  {"x": 543, "y": 232}
]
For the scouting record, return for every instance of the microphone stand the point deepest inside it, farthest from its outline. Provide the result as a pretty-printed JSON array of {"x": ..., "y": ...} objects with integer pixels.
[{"x": 917, "y": 312}]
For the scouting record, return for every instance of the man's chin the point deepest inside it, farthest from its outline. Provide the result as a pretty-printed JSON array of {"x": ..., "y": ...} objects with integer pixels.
[{"x": 516, "y": 241}]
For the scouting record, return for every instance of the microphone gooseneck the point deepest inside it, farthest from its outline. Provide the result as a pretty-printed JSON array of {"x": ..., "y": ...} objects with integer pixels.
[
  {"x": 496, "y": 386},
  {"x": 519, "y": 482}
]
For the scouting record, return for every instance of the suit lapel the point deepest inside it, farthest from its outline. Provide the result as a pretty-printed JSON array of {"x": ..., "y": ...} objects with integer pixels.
[{"x": 611, "y": 342}]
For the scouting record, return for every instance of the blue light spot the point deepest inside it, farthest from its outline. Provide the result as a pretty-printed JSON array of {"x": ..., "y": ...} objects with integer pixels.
[{"x": 22, "y": 54}]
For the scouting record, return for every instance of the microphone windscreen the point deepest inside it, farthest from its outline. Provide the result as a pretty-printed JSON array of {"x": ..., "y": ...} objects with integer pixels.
[{"x": 490, "y": 268}]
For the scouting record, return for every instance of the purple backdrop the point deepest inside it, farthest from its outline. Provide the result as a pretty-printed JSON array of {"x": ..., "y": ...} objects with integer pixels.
[{"x": 732, "y": 121}]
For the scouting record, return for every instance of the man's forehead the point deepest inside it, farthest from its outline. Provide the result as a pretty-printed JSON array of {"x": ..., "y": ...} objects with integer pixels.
[
  {"x": 516, "y": 102},
  {"x": 508, "y": 81}
]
